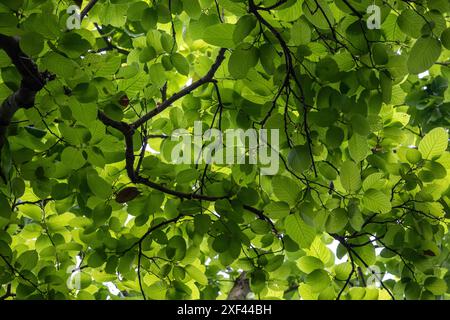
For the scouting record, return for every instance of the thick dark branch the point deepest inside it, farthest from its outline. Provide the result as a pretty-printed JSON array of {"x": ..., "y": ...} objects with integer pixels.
[
  {"x": 181, "y": 195},
  {"x": 109, "y": 45},
  {"x": 241, "y": 288},
  {"x": 31, "y": 78},
  {"x": 8, "y": 293},
  {"x": 167, "y": 103},
  {"x": 128, "y": 132},
  {"x": 290, "y": 71},
  {"x": 32, "y": 82},
  {"x": 88, "y": 8}
]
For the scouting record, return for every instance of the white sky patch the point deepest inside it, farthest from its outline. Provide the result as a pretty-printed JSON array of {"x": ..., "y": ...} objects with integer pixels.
[
  {"x": 112, "y": 288},
  {"x": 129, "y": 217},
  {"x": 424, "y": 74},
  {"x": 189, "y": 82},
  {"x": 223, "y": 274},
  {"x": 151, "y": 150}
]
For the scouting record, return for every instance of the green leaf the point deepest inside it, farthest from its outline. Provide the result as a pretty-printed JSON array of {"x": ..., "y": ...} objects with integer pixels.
[
  {"x": 101, "y": 213},
  {"x": 96, "y": 259},
  {"x": 436, "y": 285},
  {"x": 73, "y": 45},
  {"x": 221, "y": 243},
  {"x": 321, "y": 18},
  {"x": 299, "y": 231},
  {"x": 99, "y": 186},
  {"x": 434, "y": 143},
  {"x": 85, "y": 92},
  {"x": 318, "y": 280},
  {"x": 285, "y": 189},
  {"x": 220, "y": 35},
  {"x": 299, "y": 158},
  {"x": 18, "y": 187},
  {"x": 308, "y": 264},
  {"x": 242, "y": 60},
  {"x": 277, "y": 210},
  {"x": 157, "y": 75},
  {"x": 337, "y": 220},
  {"x": 61, "y": 66},
  {"x": 411, "y": 23},
  {"x": 180, "y": 63},
  {"x": 176, "y": 248},
  {"x": 72, "y": 158},
  {"x": 84, "y": 113},
  {"x": 28, "y": 260},
  {"x": 196, "y": 274},
  {"x": 358, "y": 147},
  {"x": 413, "y": 156},
  {"x": 445, "y": 38},
  {"x": 244, "y": 26},
  {"x": 32, "y": 43},
  {"x": 365, "y": 250},
  {"x": 192, "y": 8},
  {"x": 376, "y": 201},
  {"x": 260, "y": 227},
  {"x": 327, "y": 69},
  {"x": 423, "y": 54},
  {"x": 374, "y": 181},
  {"x": 202, "y": 223},
  {"x": 300, "y": 33},
  {"x": 350, "y": 177}
]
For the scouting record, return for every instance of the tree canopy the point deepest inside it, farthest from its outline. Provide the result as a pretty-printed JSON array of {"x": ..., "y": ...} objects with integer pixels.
[{"x": 92, "y": 207}]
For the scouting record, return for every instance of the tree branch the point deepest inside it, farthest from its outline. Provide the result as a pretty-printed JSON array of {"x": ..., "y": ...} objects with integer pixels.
[
  {"x": 86, "y": 9},
  {"x": 167, "y": 103},
  {"x": 32, "y": 82}
]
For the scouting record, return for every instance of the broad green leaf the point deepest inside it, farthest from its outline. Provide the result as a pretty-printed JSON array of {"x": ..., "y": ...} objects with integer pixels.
[
  {"x": 358, "y": 147},
  {"x": 376, "y": 201},
  {"x": 277, "y": 210},
  {"x": 434, "y": 143},
  {"x": 299, "y": 231},
  {"x": 350, "y": 177},
  {"x": 32, "y": 43},
  {"x": 423, "y": 54},
  {"x": 244, "y": 26},
  {"x": 299, "y": 158},
  {"x": 413, "y": 156},
  {"x": 435, "y": 285},
  {"x": 192, "y": 8},
  {"x": 285, "y": 189},
  {"x": 241, "y": 60},
  {"x": 318, "y": 280},
  {"x": 220, "y": 35},
  {"x": 321, "y": 18},
  {"x": 337, "y": 220},
  {"x": 196, "y": 274},
  {"x": 300, "y": 33},
  {"x": 308, "y": 264},
  {"x": 180, "y": 63},
  {"x": 445, "y": 38},
  {"x": 72, "y": 158},
  {"x": 99, "y": 186}
]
